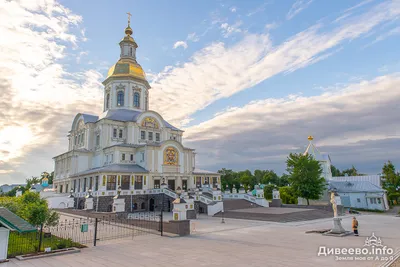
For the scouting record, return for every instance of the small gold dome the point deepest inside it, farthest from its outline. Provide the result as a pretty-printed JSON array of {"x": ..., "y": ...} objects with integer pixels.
[
  {"x": 126, "y": 68},
  {"x": 310, "y": 138},
  {"x": 128, "y": 30}
]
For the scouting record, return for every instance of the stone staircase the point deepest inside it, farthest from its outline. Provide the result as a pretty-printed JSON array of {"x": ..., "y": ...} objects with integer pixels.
[
  {"x": 305, "y": 215},
  {"x": 236, "y": 204}
]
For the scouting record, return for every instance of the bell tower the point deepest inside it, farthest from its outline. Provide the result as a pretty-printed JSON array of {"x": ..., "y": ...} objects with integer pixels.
[{"x": 126, "y": 86}]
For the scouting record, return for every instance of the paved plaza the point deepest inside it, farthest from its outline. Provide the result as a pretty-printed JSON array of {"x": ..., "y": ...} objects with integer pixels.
[{"x": 235, "y": 243}]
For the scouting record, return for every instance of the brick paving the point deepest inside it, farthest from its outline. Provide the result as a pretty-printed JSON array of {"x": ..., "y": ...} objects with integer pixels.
[{"x": 235, "y": 243}]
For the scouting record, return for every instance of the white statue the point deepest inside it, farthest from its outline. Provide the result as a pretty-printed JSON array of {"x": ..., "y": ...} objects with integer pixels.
[{"x": 334, "y": 204}]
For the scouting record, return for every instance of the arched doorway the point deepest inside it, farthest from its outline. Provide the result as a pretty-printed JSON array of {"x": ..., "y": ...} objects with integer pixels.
[
  {"x": 109, "y": 208},
  {"x": 143, "y": 206},
  {"x": 81, "y": 204},
  {"x": 151, "y": 204}
]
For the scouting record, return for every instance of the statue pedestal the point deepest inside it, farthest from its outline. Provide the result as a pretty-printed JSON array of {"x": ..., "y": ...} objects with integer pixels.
[
  {"x": 88, "y": 204},
  {"x": 337, "y": 226},
  {"x": 337, "y": 229}
]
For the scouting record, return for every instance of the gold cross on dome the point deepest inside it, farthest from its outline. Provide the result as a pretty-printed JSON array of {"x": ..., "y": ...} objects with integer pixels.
[{"x": 129, "y": 17}]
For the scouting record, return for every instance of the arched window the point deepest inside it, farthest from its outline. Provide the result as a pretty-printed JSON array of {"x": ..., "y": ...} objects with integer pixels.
[
  {"x": 145, "y": 103},
  {"x": 131, "y": 52},
  {"x": 120, "y": 99},
  {"x": 108, "y": 101},
  {"x": 136, "y": 100}
]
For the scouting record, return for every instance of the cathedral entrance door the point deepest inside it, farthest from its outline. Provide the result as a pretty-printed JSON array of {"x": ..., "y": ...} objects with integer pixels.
[
  {"x": 171, "y": 184},
  {"x": 151, "y": 206}
]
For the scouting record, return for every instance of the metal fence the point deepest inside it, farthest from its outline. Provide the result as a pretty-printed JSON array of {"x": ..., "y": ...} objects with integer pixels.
[{"x": 78, "y": 232}]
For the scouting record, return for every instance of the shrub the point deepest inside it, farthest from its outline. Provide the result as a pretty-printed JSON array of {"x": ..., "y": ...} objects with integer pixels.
[{"x": 287, "y": 195}]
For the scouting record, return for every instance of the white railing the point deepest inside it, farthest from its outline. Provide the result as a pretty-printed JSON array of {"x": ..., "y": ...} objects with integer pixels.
[
  {"x": 207, "y": 190},
  {"x": 240, "y": 196},
  {"x": 169, "y": 193},
  {"x": 205, "y": 199}
]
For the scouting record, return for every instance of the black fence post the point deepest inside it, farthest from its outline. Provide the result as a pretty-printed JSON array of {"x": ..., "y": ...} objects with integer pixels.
[
  {"x": 95, "y": 231},
  {"x": 40, "y": 237},
  {"x": 161, "y": 222}
]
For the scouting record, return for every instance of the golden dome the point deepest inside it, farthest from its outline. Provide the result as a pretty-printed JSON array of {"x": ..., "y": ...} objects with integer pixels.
[
  {"x": 126, "y": 68},
  {"x": 128, "y": 30},
  {"x": 310, "y": 138}
]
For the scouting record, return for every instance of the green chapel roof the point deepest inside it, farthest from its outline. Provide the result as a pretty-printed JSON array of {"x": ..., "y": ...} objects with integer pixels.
[{"x": 14, "y": 222}]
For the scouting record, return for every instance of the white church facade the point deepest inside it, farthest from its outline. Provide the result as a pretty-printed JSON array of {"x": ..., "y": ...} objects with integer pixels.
[{"x": 128, "y": 147}]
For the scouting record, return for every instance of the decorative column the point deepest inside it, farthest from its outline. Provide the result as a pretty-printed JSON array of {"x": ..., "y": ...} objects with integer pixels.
[
  {"x": 241, "y": 189},
  {"x": 227, "y": 190},
  {"x": 89, "y": 201},
  {"x": 119, "y": 202},
  {"x": 179, "y": 211},
  {"x": 217, "y": 196}
]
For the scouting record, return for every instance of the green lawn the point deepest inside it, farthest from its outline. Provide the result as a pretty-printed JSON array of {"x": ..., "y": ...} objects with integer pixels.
[{"x": 21, "y": 244}]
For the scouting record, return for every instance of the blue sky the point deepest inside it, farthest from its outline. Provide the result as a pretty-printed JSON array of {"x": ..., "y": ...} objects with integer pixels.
[
  {"x": 158, "y": 25},
  {"x": 248, "y": 81}
]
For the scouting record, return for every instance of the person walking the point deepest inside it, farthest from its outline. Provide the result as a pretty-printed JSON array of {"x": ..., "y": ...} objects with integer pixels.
[{"x": 355, "y": 226}]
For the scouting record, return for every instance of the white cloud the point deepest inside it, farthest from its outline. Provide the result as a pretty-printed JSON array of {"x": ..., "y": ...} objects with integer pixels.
[
  {"x": 193, "y": 37},
  {"x": 392, "y": 32},
  {"x": 258, "y": 9},
  {"x": 297, "y": 7},
  {"x": 358, "y": 5},
  {"x": 233, "y": 9},
  {"x": 271, "y": 26},
  {"x": 218, "y": 71},
  {"x": 344, "y": 123},
  {"x": 80, "y": 55},
  {"x": 180, "y": 43},
  {"x": 38, "y": 93},
  {"x": 228, "y": 30}
]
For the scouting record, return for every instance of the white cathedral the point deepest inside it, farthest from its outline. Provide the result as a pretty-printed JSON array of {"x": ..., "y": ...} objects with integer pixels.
[{"x": 128, "y": 147}]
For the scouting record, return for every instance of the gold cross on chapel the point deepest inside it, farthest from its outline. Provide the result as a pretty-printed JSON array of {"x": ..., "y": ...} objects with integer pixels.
[{"x": 129, "y": 17}]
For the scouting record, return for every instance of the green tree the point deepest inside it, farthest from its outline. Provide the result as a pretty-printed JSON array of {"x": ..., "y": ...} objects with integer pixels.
[
  {"x": 13, "y": 192},
  {"x": 258, "y": 174},
  {"x": 335, "y": 171},
  {"x": 287, "y": 194},
  {"x": 246, "y": 180},
  {"x": 391, "y": 179},
  {"x": 228, "y": 177},
  {"x": 31, "y": 181},
  {"x": 305, "y": 176},
  {"x": 268, "y": 191},
  {"x": 32, "y": 208},
  {"x": 351, "y": 172},
  {"x": 283, "y": 180},
  {"x": 270, "y": 177}
]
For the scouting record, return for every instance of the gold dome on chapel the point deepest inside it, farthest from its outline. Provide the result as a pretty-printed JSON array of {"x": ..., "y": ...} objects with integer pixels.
[{"x": 126, "y": 68}]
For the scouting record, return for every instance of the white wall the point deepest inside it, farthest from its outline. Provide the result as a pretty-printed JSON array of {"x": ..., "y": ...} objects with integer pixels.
[{"x": 213, "y": 209}]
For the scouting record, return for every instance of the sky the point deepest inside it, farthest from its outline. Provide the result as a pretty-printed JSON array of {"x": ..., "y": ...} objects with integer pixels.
[{"x": 247, "y": 81}]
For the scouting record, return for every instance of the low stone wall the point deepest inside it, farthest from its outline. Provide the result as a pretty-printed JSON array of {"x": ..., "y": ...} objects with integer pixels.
[
  {"x": 180, "y": 228},
  {"x": 190, "y": 214},
  {"x": 317, "y": 207},
  {"x": 132, "y": 203}
]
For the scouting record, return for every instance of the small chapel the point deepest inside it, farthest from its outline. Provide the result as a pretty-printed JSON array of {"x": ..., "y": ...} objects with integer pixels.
[{"x": 129, "y": 148}]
